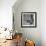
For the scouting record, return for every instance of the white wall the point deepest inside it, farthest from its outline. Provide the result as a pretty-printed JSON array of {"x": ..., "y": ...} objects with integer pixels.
[
  {"x": 6, "y": 13},
  {"x": 43, "y": 22},
  {"x": 35, "y": 34}
]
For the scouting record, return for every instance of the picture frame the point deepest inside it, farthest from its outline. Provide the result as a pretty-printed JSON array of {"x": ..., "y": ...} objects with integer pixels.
[{"x": 28, "y": 19}]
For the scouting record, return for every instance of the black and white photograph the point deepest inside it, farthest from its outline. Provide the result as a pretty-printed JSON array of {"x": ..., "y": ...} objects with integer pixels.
[{"x": 28, "y": 19}]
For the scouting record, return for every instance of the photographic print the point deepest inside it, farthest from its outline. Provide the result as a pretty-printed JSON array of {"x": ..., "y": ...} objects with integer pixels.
[{"x": 28, "y": 19}]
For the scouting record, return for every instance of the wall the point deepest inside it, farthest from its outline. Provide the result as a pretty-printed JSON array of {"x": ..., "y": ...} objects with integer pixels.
[
  {"x": 43, "y": 22},
  {"x": 28, "y": 6},
  {"x": 6, "y": 13}
]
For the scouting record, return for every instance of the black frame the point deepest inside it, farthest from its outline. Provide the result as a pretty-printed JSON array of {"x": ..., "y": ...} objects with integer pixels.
[{"x": 35, "y": 20}]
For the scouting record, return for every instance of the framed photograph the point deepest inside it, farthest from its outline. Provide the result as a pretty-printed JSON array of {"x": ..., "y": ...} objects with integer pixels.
[{"x": 28, "y": 19}]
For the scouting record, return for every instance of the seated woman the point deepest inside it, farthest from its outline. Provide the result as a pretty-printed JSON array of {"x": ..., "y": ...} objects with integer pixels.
[{"x": 18, "y": 39}]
